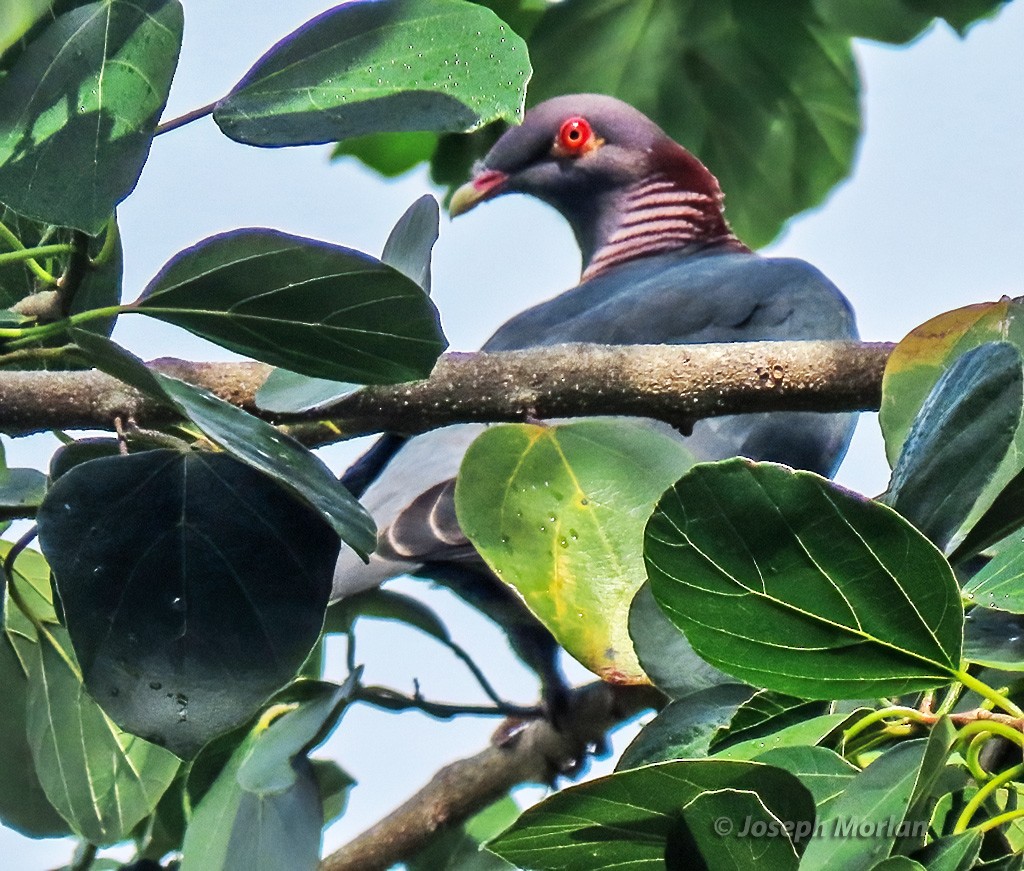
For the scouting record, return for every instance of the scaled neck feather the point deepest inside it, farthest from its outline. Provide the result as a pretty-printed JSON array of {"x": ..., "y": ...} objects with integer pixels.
[{"x": 678, "y": 205}]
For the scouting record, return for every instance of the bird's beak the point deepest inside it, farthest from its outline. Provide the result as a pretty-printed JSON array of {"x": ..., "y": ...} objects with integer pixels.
[{"x": 483, "y": 186}]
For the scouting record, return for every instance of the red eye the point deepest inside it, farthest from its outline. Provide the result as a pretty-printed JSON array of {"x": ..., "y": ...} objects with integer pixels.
[{"x": 575, "y": 135}]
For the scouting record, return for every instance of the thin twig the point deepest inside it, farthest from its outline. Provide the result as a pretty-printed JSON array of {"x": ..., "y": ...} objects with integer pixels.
[
  {"x": 392, "y": 700},
  {"x": 182, "y": 120}
]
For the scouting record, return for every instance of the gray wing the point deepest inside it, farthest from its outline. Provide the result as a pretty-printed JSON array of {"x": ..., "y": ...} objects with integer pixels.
[{"x": 669, "y": 299}]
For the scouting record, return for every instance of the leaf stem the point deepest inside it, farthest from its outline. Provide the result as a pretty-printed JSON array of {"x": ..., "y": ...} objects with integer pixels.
[
  {"x": 902, "y": 712},
  {"x": 28, "y": 255},
  {"x": 993, "y": 726},
  {"x": 972, "y": 757},
  {"x": 22, "y": 336},
  {"x": 36, "y": 354},
  {"x": 8, "y": 236},
  {"x": 997, "y": 821},
  {"x": 85, "y": 855},
  {"x": 187, "y": 118},
  {"x": 109, "y": 244},
  {"x": 964, "y": 820},
  {"x": 986, "y": 692}
]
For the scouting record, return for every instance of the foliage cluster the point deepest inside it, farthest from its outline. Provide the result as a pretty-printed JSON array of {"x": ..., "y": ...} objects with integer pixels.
[{"x": 827, "y": 658}]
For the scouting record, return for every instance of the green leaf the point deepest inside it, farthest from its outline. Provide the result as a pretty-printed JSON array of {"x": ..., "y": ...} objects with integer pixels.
[
  {"x": 920, "y": 360},
  {"x": 558, "y": 513},
  {"x": 792, "y": 583},
  {"x": 763, "y": 93},
  {"x": 764, "y": 714},
  {"x": 263, "y": 811},
  {"x": 193, "y": 587},
  {"x": 360, "y": 68},
  {"x": 958, "y": 440},
  {"x": 879, "y": 799},
  {"x": 824, "y": 772},
  {"x": 19, "y": 16},
  {"x": 78, "y": 110},
  {"x": 317, "y": 309},
  {"x": 248, "y": 438},
  {"x": 102, "y": 780},
  {"x": 334, "y": 784},
  {"x": 685, "y": 728},
  {"x": 952, "y": 853},
  {"x": 1004, "y": 516},
  {"x": 23, "y": 803},
  {"x": 1000, "y": 584},
  {"x": 628, "y": 817},
  {"x": 665, "y": 655},
  {"x": 390, "y": 154},
  {"x": 900, "y": 21},
  {"x": 21, "y": 491},
  {"x": 739, "y": 848},
  {"x": 411, "y": 241},
  {"x": 408, "y": 250},
  {"x": 816, "y": 730}
]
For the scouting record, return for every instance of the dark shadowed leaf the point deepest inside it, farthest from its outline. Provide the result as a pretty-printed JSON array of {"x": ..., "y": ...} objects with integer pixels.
[
  {"x": 78, "y": 110},
  {"x": 250, "y": 439},
  {"x": 263, "y": 812},
  {"x": 665, "y": 655},
  {"x": 558, "y": 512},
  {"x": 626, "y": 818},
  {"x": 100, "y": 779},
  {"x": 360, "y": 68},
  {"x": 1003, "y": 516},
  {"x": 792, "y": 583},
  {"x": 952, "y": 853},
  {"x": 685, "y": 728},
  {"x": 315, "y": 308},
  {"x": 193, "y": 586},
  {"x": 958, "y": 440},
  {"x": 763, "y": 93},
  {"x": 384, "y": 605},
  {"x": 994, "y": 638}
]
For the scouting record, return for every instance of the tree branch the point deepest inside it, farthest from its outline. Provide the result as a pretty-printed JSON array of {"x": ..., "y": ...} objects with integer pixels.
[
  {"x": 535, "y": 754},
  {"x": 675, "y": 383}
]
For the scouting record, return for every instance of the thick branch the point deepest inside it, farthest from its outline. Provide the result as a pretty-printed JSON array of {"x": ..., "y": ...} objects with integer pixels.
[
  {"x": 675, "y": 383},
  {"x": 536, "y": 754}
]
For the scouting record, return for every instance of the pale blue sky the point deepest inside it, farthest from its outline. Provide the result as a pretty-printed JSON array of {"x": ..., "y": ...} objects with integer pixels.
[{"x": 931, "y": 219}]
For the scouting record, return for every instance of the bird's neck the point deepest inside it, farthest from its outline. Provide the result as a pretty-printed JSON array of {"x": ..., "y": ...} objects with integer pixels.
[{"x": 655, "y": 216}]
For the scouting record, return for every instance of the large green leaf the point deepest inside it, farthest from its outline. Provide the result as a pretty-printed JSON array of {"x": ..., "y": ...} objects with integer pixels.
[
  {"x": 994, "y": 638},
  {"x": 790, "y": 582},
  {"x": 824, "y": 772},
  {"x": 193, "y": 586},
  {"x": 250, "y": 439},
  {"x": 627, "y": 818},
  {"x": 558, "y": 513},
  {"x": 78, "y": 110},
  {"x": 766, "y": 713},
  {"x": 100, "y": 779},
  {"x": 408, "y": 249},
  {"x": 318, "y": 309},
  {"x": 899, "y": 21},
  {"x": 958, "y": 440},
  {"x": 404, "y": 65},
  {"x": 263, "y": 811},
  {"x": 762, "y": 92}
]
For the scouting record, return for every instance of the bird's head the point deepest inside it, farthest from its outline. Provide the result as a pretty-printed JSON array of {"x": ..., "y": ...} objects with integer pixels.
[{"x": 615, "y": 175}]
